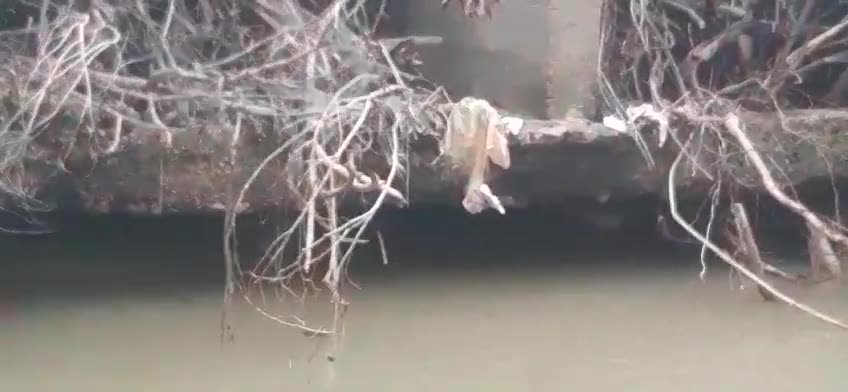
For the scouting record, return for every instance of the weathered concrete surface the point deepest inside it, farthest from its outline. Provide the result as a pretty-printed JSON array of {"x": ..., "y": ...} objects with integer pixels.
[
  {"x": 535, "y": 57},
  {"x": 196, "y": 173},
  {"x": 574, "y": 41},
  {"x": 551, "y": 161}
]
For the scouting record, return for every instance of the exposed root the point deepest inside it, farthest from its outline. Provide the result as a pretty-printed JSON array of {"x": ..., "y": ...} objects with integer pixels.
[
  {"x": 824, "y": 262},
  {"x": 746, "y": 247},
  {"x": 733, "y": 127},
  {"x": 770, "y": 269},
  {"x": 713, "y": 208},
  {"x": 695, "y": 64},
  {"x": 727, "y": 258},
  {"x": 334, "y": 110}
]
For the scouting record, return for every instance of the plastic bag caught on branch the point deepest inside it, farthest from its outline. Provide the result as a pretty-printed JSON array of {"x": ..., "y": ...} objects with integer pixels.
[{"x": 473, "y": 138}]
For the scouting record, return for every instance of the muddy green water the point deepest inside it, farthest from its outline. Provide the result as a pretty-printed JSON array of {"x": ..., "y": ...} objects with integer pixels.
[{"x": 141, "y": 312}]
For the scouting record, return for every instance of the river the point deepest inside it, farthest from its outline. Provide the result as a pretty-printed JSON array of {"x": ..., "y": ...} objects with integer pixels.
[{"x": 123, "y": 306}]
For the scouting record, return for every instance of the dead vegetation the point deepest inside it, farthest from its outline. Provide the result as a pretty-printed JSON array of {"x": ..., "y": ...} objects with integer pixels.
[
  {"x": 343, "y": 107},
  {"x": 340, "y": 106},
  {"x": 699, "y": 64}
]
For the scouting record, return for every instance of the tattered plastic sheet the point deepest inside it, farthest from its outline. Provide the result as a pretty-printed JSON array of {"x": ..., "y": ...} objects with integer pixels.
[{"x": 476, "y": 135}]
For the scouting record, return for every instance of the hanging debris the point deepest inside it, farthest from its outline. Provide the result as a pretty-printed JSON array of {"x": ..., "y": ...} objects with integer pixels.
[{"x": 476, "y": 135}]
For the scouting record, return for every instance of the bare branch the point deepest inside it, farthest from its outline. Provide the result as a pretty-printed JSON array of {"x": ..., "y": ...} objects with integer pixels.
[{"x": 672, "y": 197}]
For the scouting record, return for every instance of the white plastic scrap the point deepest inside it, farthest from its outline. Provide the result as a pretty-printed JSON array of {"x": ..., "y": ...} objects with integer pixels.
[
  {"x": 613, "y": 122},
  {"x": 633, "y": 114}
]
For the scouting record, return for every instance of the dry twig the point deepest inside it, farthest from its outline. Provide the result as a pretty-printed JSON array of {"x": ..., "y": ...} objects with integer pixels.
[
  {"x": 696, "y": 66},
  {"x": 324, "y": 99},
  {"x": 724, "y": 256}
]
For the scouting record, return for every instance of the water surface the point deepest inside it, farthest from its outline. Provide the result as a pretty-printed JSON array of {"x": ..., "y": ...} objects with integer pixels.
[{"x": 124, "y": 308}]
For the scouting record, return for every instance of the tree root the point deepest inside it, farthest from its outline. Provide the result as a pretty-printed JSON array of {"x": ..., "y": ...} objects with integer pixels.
[
  {"x": 822, "y": 256},
  {"x": 746, "y": 247},
  {"x": 727, "y": 258},
  {"x": 823, "y": 261}
]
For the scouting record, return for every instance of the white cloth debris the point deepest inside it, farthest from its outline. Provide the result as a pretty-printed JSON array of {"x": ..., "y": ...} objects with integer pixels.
[{"x": 635, "y": 113}]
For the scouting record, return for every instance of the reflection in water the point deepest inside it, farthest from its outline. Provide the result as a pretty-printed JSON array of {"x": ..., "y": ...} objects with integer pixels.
[{"x": 123, "y": 306}]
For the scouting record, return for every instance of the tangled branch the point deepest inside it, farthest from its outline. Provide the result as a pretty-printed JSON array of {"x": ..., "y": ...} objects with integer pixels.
[
  {"x": 336, "y": 110},
  {"x": 690, "y": 67}
]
